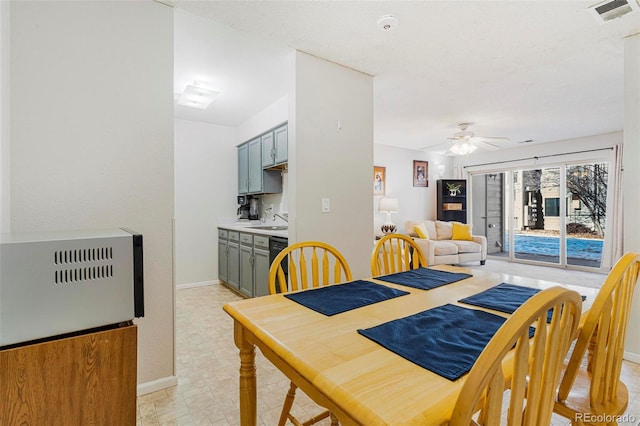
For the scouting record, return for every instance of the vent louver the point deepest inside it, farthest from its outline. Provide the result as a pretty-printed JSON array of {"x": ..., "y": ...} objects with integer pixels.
[
  {"x": 612, "y": 9},
  {"x": 80, "y": 265}
]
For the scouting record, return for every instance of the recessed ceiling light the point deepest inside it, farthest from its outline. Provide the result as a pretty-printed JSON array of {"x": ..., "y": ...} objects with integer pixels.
[{"x": 387, "y": 22}]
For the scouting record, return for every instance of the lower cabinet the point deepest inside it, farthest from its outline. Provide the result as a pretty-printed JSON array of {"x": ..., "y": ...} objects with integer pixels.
[
  {"x": 243, "y": 262},
  {"x": 260, "y": 266},
  {"x": 246, "y": 264},
  {"x": 223, "y": 255},
  {"x": 233, "y": 260}
]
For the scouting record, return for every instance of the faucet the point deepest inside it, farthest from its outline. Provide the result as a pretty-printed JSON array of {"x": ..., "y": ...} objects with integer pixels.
[{"x": 281, "y": 217}]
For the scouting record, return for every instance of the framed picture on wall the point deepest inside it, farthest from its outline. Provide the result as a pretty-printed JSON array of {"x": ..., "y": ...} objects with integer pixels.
[
  {"x": 420, "y": 173},
  {"x": 379, "y": 180}
]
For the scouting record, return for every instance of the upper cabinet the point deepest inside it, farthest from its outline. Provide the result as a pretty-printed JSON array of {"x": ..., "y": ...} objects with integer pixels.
[
  {"x": 243, "y": 168},
  {"x": 275, "y": 146},
  {"x": 281, "y": 137},
  {"x": 256, "y": 156}
]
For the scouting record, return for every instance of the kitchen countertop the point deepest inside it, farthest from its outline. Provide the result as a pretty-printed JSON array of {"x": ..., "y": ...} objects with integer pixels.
[{"x": 250, "y": 227}]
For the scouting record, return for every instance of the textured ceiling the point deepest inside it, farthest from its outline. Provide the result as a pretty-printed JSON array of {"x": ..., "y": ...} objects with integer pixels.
[{"x": 541, "y": 70}]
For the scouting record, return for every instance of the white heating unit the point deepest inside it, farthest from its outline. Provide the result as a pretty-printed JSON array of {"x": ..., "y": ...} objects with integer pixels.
[{"x": 64, "y": 282}]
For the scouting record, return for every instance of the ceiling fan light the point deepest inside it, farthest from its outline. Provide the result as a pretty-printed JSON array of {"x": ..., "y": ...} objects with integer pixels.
[{"x": 462, "y": 148}]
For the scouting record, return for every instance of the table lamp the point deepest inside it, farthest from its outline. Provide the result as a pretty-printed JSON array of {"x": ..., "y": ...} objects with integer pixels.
[{"x": 388, "y": 205}]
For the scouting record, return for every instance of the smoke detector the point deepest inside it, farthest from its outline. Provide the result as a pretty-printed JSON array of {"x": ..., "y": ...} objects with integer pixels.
[
  {"x": 387, "y": 22},
  {"x": 612, "y": 9}
]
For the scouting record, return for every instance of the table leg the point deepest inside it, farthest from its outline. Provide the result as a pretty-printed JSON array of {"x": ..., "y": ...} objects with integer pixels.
[{"x": 248, "y": 411}]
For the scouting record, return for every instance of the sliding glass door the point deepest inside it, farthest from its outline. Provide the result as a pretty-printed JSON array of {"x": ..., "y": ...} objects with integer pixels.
[
  {"x": 549, "y": 215},
  {"x": 586, "y": 213}
]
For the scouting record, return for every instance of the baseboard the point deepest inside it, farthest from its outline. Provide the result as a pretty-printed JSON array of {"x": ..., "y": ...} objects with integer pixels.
[
  {"x": 198, "y": 284},
  {"x": 156, "y": 385},
  {"x": 631, "y": 356}
]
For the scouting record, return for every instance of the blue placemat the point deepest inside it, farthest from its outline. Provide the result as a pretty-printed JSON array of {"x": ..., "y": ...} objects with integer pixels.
[
  {"x": 446, "y": 340},
  {"x": 335, "y": 299},
  {"x": 424, "y": 278},
  {"x": 504, "y": 298}
]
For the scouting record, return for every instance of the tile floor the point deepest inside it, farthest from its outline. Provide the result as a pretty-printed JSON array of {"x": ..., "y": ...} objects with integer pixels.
[{"x": 207, "y": 364}]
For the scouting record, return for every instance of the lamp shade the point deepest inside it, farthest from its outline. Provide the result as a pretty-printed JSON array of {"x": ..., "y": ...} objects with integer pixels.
[{"x": 389, "y": 205}]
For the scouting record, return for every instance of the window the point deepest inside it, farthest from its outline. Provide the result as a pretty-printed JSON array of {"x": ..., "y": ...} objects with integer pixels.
[{"x": 552, "y": 207}]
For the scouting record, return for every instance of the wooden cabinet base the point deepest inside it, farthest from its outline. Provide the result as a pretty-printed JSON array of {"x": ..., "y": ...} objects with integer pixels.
[{"x": 81, "y": 380}]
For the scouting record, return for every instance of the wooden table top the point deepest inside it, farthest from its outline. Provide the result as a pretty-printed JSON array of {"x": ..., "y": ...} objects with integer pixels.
[{"x": 357, "y": 379}]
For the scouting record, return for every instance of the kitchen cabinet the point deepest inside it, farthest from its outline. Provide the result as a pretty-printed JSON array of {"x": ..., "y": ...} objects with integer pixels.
[
  {"x": 229, "y": 257},
  {"x": 452, "y": 200},
  {"x": 243, "y": 262},
  {"x": 275, "y": 145},
  {"x": 223, "y": 255},
  {"x": 246, "y": 264},
  {"x": 261, "y": 266},
  {"x": 254, "y": 265},
  {"x": 233, "y": 260},
  {"x": 252, "y": 179},
  {"x": 243, "y": 169},
  {"x": 255, "y": 166}
]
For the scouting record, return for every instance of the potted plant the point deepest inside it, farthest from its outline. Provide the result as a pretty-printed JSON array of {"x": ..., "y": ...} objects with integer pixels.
[{"x": 453, "y": 188}]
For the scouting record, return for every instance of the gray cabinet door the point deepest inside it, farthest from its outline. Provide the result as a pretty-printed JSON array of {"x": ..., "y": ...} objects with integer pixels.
[
  {"x": 281, "y": 144},
  {"x": 233, "y": 262},
  {"x": 268, "y": 150},
  {"x": 243, "y": 169},
  {"x": 246, "y": 270},
  {"x": 255, "y": 166},
  {"x": 260, "y": 272},
  {"x": 223, "y": 260}
]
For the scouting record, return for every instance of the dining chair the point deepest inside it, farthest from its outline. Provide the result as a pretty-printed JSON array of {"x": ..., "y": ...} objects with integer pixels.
[
  {"x": 309, "y": 264},
  {"x": 535, "y": 364},
  {"x": 396, "y": 253},
  {"x": 591, "y": 388}
]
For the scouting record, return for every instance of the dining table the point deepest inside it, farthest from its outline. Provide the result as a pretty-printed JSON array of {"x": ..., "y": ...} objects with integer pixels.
[{"x": 338, "y": 367}]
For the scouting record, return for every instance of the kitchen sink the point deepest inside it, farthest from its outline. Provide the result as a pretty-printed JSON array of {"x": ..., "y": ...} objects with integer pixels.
[{"x": 271, "y": 228}]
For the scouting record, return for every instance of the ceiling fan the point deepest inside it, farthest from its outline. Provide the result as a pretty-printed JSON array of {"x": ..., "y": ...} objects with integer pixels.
[{"x": 465, "y": 141}]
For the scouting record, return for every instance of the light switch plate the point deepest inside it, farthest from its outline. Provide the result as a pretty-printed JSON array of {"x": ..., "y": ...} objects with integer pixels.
[{"x": 326, "y": 205}]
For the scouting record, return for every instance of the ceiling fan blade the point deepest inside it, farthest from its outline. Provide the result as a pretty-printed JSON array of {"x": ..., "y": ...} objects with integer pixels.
[
  {"x": 496, "y": 139},
  {"x": 436, "y": 147},
  {"x": 489, "y": 146}
]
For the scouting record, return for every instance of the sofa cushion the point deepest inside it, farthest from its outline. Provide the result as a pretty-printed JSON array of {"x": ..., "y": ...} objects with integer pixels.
[
  {"x": 444, "y": 248},
  {"x": 467, "y": 246},
  {"x": 430, "y": 226},
  {"x": 421, "y": 230},
  {"x": 444, "y": 230},
  {"x": 461, "y": 232}
]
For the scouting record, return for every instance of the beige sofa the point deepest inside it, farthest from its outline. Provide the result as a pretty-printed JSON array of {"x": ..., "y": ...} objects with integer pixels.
[{"x": 441, "y": 249}]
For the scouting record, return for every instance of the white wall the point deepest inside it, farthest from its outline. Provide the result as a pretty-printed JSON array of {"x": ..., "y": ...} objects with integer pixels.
[
  {"x": 92, "y": 138},
  {"x": 205, "y": 190},
  {"x": 330, "y": 162},
  {"x": 632, "y": 177},
  {"x": 414, "y": 202},
  {"x": 5, "y": 192}
]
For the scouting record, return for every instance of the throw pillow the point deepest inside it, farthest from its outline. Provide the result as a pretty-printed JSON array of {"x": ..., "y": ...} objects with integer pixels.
[
  {"x": 421, "y": 230},
  {"x": 461, "y": 232}
]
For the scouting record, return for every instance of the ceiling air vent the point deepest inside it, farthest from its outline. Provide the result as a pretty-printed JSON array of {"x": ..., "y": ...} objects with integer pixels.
[{"x": 611, "y": 9}]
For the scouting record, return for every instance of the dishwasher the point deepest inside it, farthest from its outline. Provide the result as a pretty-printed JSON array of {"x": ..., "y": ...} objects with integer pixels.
[{"x": 276, "y": 245}]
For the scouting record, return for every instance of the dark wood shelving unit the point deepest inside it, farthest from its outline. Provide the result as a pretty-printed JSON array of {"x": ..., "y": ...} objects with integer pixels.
[{"x": 452, "y": 207}]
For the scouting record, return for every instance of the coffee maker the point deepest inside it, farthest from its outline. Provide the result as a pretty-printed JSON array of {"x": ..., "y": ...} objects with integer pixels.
[{"x": 248, "y": 207}]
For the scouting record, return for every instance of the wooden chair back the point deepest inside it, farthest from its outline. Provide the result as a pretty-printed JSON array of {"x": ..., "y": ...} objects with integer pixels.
[
  {"x": 396, "y": 253},
  {"x": 537, "y": 363},
  {"x": 603, "y": 334},
  {"x": 310, "y": 264}
]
